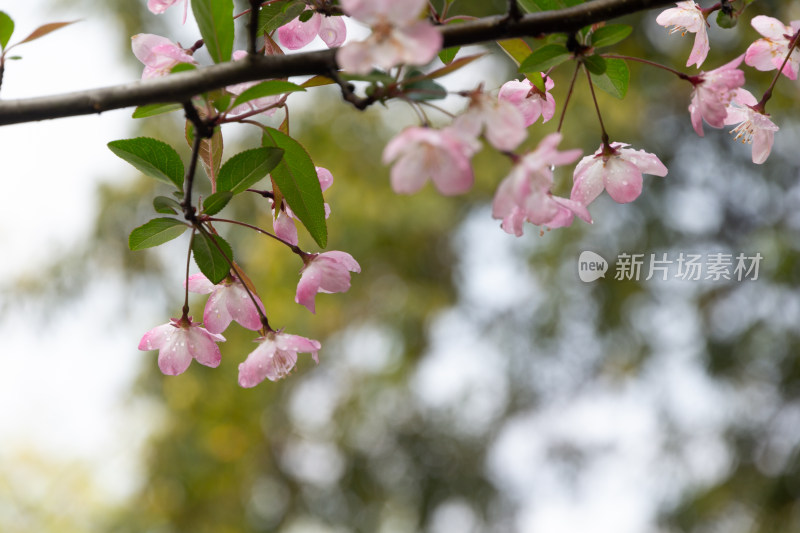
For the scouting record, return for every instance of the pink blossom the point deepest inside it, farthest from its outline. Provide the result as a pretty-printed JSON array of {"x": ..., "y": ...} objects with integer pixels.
[
  {"x": 159, "y": 6},
  {"x": 713, "y": 93},
  {"x": 529, "y": 100},
  {"x": 426, "y": 153},
  {"x": 275, "y": 357},
  {"x": 770, "y": 52},
  {"x": 327, "y": 272},
  {"x": 500, "y": 120},
  {"x": 228, "y": 301},
  {"x": 754, "y": 127},
  {"x": 397, "y": 36},
  {"x": 158, "y": 54},
  {"x": 618, "y": 170},
  {"x": 283, "y": 222},
  {"x": 266, "y": 104},
  {"x": 178, "y": 342},
  {"x": 296, "y": 34},
  {"x": 688, "y": 17},
  {"x": 525, "y": 193}
]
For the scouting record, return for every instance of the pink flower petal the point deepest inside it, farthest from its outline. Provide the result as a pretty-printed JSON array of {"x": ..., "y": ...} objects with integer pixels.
[{"x": 296, "y": 34}]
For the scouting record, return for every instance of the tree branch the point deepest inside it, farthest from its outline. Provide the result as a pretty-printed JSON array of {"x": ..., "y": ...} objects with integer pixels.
[{"x": 182, "y": 86}]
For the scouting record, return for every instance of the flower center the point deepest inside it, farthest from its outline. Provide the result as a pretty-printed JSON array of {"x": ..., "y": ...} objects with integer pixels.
[{"x": 744, "y": 131}]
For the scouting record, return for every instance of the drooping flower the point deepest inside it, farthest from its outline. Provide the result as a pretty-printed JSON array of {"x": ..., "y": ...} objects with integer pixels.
[
  {"x": 297, "y": 34},
  {"x": 616, "y": 169},
  {"x": 327, "y": 272},
  {"x": 228, "y": 302},
  {"x": 529, "y": 100},
  {"x": 266, "y": 104},
  {"x": 158, "y": 54},
  {"x": 713, "y": 93},
  {"x": 754, "y": 127},
  {"x": 525, "y": 193},
  {"x": 426, "y": 153},
  {"x": 397, "y": 36},
  {"x": 770, "y": 52},
  {"x": 275, "y": 357},
  {"x": 178, "y": 342},
  {"x": 498, "y": 119},
  {"x": 159, "y": 6},
  {"x": 688, "y": 16},
  {"x": 283, "y": 222}
]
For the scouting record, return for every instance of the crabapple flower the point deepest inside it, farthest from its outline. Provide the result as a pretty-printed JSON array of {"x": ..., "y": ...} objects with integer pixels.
[
  {"x": 426, "y": 153},
  {"x": 178, "y": 342},
  {"x": 616, "y": 169},
  {"x": 525, "y": 193},
  {"x": 158, "y": 54},
  {"x": 229, "y": 301},
  {"x": 397, "y": 36},
  {"x": 754, "y": 127},
  {"x": 770, "y": 52},
  {"x": 500, "y": 120},
  {"x": 159, "y": 6},
  {"x": 688, "y": 16},
  {"x": 297, "y": 34},
  {"x": 327, "y": 272},
  {"x": 529, "y": 100},
  {"x": 712, "y": 94},
  {"x": 283, "y": 221},
  {"x": 265, "y": 104},
  {"x": 275, "y": 357}
]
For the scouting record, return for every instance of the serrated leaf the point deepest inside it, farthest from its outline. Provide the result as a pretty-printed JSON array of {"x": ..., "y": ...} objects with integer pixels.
[
  {"x": 245, "y": 168},
  {"x": 595, "y": 64},
  {"x": 273, "y": 16},
  {"x": 449, "y": 54},
  {"x": 610, "y": 34},
  {"x": 215, "y": 20},
  {"x": 166, "y": 205},
  {"x": 545, "y": 57},
  {"x": 216, "y": 202},
  {"x": 210, "y": 150},
  {"x": 297, "y": 179},
  {"x": 212, "y": 256},
  {"x": 6, "y": 29},
  {"x": 44, "y": 29},
  {"x": 615, "y": 79},
  {"x": 152, "y": 157},
  {"x": 317, "y": 81},
  {"x": 151, "y": 110},
  {"x": 155, "y": 232},
  {"x": 455, "y": 65},
  {"x": 266, "y": 88}
]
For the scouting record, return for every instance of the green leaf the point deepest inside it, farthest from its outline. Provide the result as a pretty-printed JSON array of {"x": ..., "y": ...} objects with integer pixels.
[
  {"x": 317, "y": 81},
  {"x": 166, "y": 205},
  {"x": 152, "y": 157},
  {"x": 151, "y": 110},
  {"x": 615, "y": 79},
  {"x": 6, "y": 29},
  {"x": 725, "y": 20},
  {"x": 221, "y": 100},
  {"x": 296, "y": 177},
  {"x": 155, "y": 232},
  {"x": 215, "y": 20},
  {"x": 182, "y": 67},
  {"x": 449, "y": 54},
  {"x": 213, "y": 256},
  {"x": 216, "y": 202},
  {"x": 545, "y": 57},
  {"x": 424, "y": 89},
  {"x": 266, "y": 88},
  {"x": 595, "y": 64},
  {"x": 246, "y": 168},
  {"x": 273, "y": 16},
  {"x": 610, "y": 34},
  {"x": 306, "y": 15}
]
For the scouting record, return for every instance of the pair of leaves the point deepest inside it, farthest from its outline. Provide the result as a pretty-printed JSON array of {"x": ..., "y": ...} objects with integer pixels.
[{"x": 212, "y": 254}]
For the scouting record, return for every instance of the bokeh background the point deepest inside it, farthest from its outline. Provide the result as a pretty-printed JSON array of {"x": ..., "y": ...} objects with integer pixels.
[{"x": 469, "y": 381}]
